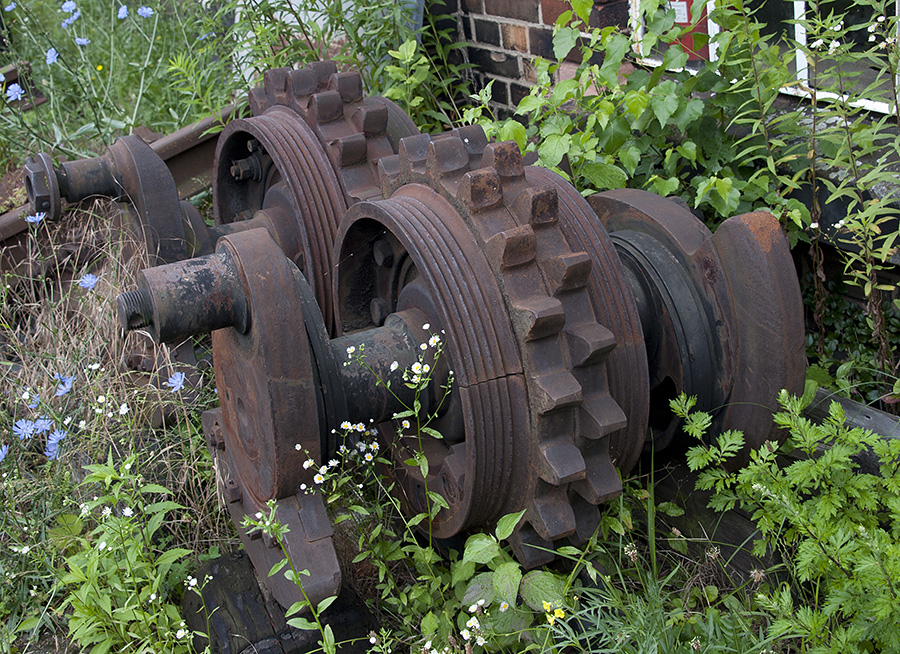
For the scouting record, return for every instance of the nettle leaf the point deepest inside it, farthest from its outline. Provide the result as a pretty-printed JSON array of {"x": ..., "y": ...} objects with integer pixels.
[
  {"x": 604, "y": 176},
  {"x": 461, "y": 571},
  {"x": 530, "y": 103},
  {"x": 481, "y": 548},
  {"x": 506, "y": 581},
  {"x": 539, "y": 586},
  {"x": 430, "y": 624}
]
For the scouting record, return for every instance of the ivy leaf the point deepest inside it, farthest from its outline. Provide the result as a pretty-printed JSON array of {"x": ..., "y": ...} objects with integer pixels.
[{"x": 662, "y": 186}]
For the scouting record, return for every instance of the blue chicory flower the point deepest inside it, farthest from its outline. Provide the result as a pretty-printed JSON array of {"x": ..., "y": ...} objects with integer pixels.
[
  {"x": 81, "y": 40},
  {"x": 14, "y": 92},
  {"x": 88, "y": 281},
  {"x": 123, "y": 12},
  {"x": 71, "y": 19},
  {"x": 176, "y": 382},
  {"x": 145, "y": 12},
  {"x": 23, "y": 429},
  {"x": 42, "y": 424},
  {"x": 4, "y": 450},
  {"x": 10, "y": 6},
  {"x": 36, "y": 218},
  {"x": 65, "y": 384},
  {"x": 34, "y": 400},
  {"x": 51, "y": 451},
  {"x": 69, "y": 6},
  {"x": 52, "y": 56}
]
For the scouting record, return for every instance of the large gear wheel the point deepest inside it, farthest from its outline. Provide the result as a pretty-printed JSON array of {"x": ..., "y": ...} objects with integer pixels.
[
  {"x": 480, "y": 250},
  {"x": 308, "y": 152}
]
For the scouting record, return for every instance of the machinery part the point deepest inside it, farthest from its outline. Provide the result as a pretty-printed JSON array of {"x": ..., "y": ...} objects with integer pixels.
[
  {"x": 480, "y": 251},
  {"x": 721, "y": 313},
  {"x": 515, "y": 273},
  {"x": 129, "y": 169},
  {"x": 309, "y": 152}
]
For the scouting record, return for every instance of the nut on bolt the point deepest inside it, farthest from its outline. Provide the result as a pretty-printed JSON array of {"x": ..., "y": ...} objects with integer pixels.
[
  {"x": 232, "y": 491},
  {"x": 42, "y": 186}
]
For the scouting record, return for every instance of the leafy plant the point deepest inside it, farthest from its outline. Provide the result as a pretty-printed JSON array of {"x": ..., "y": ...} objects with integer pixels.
[
  {"x": 124, "y": 582},
  {"x": 834, "y": 522}
]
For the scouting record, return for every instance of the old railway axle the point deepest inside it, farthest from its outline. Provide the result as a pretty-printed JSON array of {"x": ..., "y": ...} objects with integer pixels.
[{"x": 567, "y": 324}]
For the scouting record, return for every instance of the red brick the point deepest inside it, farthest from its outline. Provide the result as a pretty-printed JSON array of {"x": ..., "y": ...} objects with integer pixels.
[
  {"x": 473, "y": 6},
  {"x": 515, "y": 37},
  {"x": 551, "y": 9},
  {"x": 526, "y": 10}
]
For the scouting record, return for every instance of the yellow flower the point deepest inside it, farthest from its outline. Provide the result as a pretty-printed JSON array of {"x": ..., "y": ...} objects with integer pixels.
[
  {"x": 99, "y": 67},
  {"x": 558, "y": 613},
  {"x": 547, "y": 607},
  {"x": 550, "y": 619}
]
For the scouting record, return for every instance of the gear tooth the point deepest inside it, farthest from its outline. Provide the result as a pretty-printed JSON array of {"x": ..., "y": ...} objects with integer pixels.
[
  {"x": 560, "y": 462},
  {"x": 538, "y": 316},
  {"x": 530, "y": 549},
  {"x": 554, "y": 391},
  {"x": 413, "y": 152},
  {"x": 371, "y": 119},
  {"x": 348, "y": 150},
  {"x": 349, "y": 85},
  {"x": 568, "y": 272},
  {"x": 258, "y": 100},
  {"x": 323, "y": 71},
  {"x": 301, "y": 83},
  {"x": 275, "y": 82},
  {"x": 388, "y": 173},
  {"x": 513, "y": 247},
  {"x": 480, "y": 190},
  {"x": 505, "y": 158},
  {"x": 473, "y": 137},
  {"x": 551, "y": 515},
  {"x": 589, "y": 343},
  {"x": 326, "y": 107},
  {"x": 445, "y": 157},
  {"x": 587, "y": 520},
  {"x": 601, "y": 416},
  {"x": 602, "y": 482},
  {"x": 538, "y": 206}
]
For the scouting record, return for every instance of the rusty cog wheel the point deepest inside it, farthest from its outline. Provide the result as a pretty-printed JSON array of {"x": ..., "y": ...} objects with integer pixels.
[
  {"x": 522, "y": 337},
  {"x": 294, "y": 167}
]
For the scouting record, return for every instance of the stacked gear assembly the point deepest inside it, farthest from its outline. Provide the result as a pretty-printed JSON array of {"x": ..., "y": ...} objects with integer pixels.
[{"x": 567, "y": 324}]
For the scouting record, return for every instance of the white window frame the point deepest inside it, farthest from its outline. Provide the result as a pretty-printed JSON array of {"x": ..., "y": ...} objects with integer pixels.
[{"x": 801, "y": 90}]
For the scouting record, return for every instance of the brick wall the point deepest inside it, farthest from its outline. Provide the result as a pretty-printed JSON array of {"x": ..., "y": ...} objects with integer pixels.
[{"x": 505, "y": 36}]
